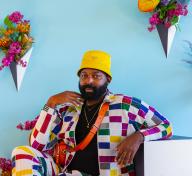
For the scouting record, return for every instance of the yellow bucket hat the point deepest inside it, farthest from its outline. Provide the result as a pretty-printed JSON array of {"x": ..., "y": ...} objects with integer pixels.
[{"x": 96, "y": 59}]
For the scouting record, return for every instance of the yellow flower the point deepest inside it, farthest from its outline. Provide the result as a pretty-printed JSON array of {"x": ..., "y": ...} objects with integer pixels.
[
  {"x": 8, "y": 32},
  {"x": 4, "y": 42},
  {"x": 23, "y": 27},
  {"x": 27, "y": 39}
]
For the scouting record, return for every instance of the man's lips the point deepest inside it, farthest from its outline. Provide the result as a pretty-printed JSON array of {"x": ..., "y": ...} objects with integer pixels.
[{"x": 89, "y": 90}]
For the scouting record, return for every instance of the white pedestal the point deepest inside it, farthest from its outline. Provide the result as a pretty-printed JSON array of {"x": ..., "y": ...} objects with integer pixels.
[{"x": 165, "y": 158}]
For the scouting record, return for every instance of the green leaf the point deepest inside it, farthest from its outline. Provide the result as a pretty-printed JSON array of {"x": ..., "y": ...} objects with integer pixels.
[
  {"x": 171, "y": 6},
  {"x": 162, "y": 14},
  {"x": 174, "y": 20},
  {"x": 8, "y": 22},
  {"x": 2, "y": 30},
  {"x": 19, "y": 38}
]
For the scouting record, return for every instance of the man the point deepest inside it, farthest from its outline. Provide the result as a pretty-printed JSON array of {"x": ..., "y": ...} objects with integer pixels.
[{"x": 69, "y": 116}]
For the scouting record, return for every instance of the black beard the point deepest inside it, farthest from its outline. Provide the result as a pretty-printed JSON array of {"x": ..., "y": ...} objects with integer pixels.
[{"x": 97, "y": 92}]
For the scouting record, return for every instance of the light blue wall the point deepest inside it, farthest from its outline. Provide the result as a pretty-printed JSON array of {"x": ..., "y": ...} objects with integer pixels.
[{"x": 64, "y": 30}]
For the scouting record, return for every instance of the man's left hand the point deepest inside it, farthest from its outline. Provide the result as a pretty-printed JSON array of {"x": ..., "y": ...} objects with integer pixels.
[{"x": 127, "y": 149}]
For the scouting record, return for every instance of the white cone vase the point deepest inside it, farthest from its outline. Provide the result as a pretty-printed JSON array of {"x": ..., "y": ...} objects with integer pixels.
[
  {"x": 18, "y": 71},
  {"x": 166, "y": 35}
]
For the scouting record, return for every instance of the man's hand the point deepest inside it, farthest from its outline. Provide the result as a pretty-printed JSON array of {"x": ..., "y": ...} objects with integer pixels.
[
  {"x": 127, "y": 149},
  {"x": 65, "y": 97}
]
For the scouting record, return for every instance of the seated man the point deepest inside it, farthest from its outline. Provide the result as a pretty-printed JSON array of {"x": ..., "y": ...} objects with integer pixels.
[{"x": 69, "y": 116}]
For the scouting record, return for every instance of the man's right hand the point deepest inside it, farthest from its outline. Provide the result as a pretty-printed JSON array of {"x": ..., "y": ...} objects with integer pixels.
[{"x": 65, "y": 97}]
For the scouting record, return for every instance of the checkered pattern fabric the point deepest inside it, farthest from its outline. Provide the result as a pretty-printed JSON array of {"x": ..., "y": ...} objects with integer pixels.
[
  {"x": 28, "y": 161},
  {"x": 126, "y": 115}
]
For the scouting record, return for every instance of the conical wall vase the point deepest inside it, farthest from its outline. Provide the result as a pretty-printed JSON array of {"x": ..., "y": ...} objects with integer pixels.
[{"x": 18, "y": 71}]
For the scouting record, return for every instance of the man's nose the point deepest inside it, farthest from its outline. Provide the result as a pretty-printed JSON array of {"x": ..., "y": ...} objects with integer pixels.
[{"x": 89, "y": 79}]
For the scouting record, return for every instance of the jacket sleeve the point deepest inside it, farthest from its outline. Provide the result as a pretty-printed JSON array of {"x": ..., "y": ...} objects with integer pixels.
[
  {"x": 152, "y": 124},
  {"x": 45, "y": 133}
]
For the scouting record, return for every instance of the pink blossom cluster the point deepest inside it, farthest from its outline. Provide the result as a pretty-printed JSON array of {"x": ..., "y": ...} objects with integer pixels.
[
  {"x": 154, "y": 20},
  {"x": 16, "y": 40},
  {"x": 28, "y": 125},
  {"x": 14, "y": 49},
  {"x": 180, "y": 10},
  {"x": 5, "y": 164},
  {"x": 16, "y": 17},
  {"x": 22, "y": 63},
  {"x": 169, "y": 17}
]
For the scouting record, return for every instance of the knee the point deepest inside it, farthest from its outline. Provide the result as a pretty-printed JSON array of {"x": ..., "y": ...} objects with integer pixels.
[{"x": 20, "y": 150}]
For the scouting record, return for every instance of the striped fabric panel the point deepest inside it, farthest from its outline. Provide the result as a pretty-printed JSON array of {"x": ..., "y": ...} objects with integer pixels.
[
  {"x": 107, "y": 158},
  {"x": 67, "y": 118},
  {"x": 115, "y": 139},
  {"x": 104, "y": 132},
  {"x": 125, "y": 106},
  {"x": 132, "y": 116},
  {"x": 24, "y": 172},
  {"x": 45, "y": 123},
  {"x": 105, "y": 165},
  {"x": 37, "y": 145},
  {"x": 115, "y": 106},
  {"x": 113, "y": 172},
  {"x": 104, "y": 145},
  {"x": 35, "y": 133},
  {"x": 115, "y": 118},
  {"x": 127, "y": 100},
  {"x": 142, "y": 113}
]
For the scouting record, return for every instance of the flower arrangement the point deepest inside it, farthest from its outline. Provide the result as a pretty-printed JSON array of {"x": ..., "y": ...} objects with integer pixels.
[
  {"x": 5, "y": 164},
  {"x": 165, "y": 12},
  {"x": 15, "y": 39}
]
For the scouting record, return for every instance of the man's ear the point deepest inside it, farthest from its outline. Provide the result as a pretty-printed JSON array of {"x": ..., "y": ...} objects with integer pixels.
[{"x": 108, "y": 79}]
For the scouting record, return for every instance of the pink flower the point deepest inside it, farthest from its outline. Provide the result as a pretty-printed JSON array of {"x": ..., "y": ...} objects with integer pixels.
[
  {"x": 6, "y": 61},
  {"x": 154, "y": 19},
  {"x": 5, "y": 164},
  {"x": 16, "y": 17},
  {"x": 15, "y": 48},
  {"x": 168, "y": 24},
  {"x": 170, "y": 13},
  {"x": 151, "y": 28},
  {"x": 20, "y": 126},
  {"x": 28, "y": 125},
  {"x": 22, "y": 63}
]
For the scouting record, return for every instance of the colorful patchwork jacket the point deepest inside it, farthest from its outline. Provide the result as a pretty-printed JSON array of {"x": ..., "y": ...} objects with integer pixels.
[{"x": 125, "y": 116}]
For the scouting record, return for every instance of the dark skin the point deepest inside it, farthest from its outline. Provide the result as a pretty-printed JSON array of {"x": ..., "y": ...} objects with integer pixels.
[{"x": 128, "y": 147}]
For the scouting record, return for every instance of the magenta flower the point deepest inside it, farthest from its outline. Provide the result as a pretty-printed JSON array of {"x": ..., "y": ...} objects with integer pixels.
[
  {"x": 5, "y": 164},
  {"x": 168, "y": 24},
  {"x": 22, "y": 63},
  {"x": 6, "y": 61},
  {"x": 16, "y": 17},
  {"x": 154, "y": 20},
  {"x": 28, "y": 125},
  {"x": 167, "y": 13},
  {"x": 15, "y": 48}
]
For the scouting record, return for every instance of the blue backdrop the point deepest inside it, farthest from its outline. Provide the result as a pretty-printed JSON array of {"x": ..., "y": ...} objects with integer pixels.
[{"x": 64, "y": 30}]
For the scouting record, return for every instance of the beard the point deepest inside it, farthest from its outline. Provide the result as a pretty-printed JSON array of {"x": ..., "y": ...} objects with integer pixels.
[{"x": 95, "y": 94}]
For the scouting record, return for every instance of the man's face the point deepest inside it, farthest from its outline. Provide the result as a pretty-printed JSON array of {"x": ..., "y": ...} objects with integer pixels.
[{"x": 92, "y": 83}]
